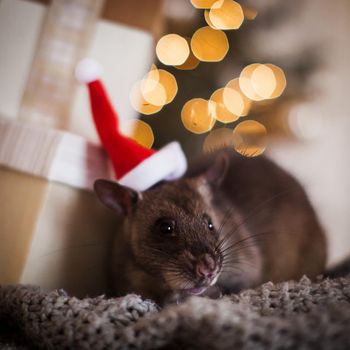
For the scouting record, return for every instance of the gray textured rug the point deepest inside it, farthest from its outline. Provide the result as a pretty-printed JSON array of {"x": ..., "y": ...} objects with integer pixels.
[{"x": 289, "y": 315}]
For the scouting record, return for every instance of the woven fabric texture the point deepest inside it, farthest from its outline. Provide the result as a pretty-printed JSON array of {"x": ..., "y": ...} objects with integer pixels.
[{"x": 288, "y": 315}]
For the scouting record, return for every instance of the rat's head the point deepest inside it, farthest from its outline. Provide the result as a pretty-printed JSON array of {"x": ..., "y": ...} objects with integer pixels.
[{"x": 172, "y": 227}]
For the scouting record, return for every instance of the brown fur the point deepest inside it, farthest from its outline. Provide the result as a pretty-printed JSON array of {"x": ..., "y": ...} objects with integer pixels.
[{"x": 261, "y": 216}]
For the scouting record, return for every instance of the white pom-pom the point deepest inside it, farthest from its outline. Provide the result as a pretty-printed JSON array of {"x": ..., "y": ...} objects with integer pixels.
[{"x": 88, "y": 70}]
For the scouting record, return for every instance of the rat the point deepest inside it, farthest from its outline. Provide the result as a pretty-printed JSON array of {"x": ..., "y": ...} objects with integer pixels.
[{"x": 230, "y": 223}]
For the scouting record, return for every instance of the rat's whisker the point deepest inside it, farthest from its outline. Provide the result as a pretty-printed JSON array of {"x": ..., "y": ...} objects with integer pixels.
[
  {"x": 232, "y": 268},
  {"x": 233, "y": 262},
  {"x": 227, "y": 215},
  {"x": 253, "y": 212},
  {"x": 234, "y": 248},
  {"x": 252, "y": 237}
]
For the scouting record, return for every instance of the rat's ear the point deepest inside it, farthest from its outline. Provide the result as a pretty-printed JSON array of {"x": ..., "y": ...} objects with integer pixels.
[
  {"x": 216, "y": 172},
  {"x": 117, "y": 197}
]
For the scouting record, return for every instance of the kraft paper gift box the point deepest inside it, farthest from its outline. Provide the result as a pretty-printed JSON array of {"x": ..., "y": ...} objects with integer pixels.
[{"x": 53, "y": 231}]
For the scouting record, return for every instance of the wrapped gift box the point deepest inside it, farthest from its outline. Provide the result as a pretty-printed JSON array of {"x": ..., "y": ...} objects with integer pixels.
[{"x": 53, "y": 231}]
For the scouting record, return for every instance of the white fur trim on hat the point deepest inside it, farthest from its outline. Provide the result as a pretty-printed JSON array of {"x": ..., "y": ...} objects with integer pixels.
[
  {"x": 169, "y": 163},
  {"x": 88, "y": 70}
]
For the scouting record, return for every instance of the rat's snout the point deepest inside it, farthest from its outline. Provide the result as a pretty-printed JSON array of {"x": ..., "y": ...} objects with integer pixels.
[{"x": 206, "y": 267}]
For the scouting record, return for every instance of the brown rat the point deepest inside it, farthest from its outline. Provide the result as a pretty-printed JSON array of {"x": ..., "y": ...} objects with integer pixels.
[{"x": 230, "y": 221}]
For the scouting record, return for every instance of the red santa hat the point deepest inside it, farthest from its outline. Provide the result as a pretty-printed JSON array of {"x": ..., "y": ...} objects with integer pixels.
[{"x": 135, "y": 166}]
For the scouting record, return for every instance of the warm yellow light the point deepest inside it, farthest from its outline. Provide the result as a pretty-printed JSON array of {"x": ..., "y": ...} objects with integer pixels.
[
  {"x": 226, "y": 14},
  {"x": 207, "y": 19},
  {"x": 139, "y": 103},
  {"x": 172, "y": 49},
  {"x": 151, "y": 79},
  {"x": 209, "y": 45},
  {"x": 197, "y": 115},
  {"x": 249, "y": 138},
  {"x": 139, "y": 131},
  {"x": 218, "y": 138},
  {"x": 222, "y": 114},
  {"x": 156, "y": 96},
  {"x": 245, "y": 82},
  {"x": 281, "y": 81},
  {"x": 168, "y": 81},
  {"x": 152, "y": 91},
  {"x": 233, "y": 102},
  {"x": 203, "y": 4},
  {"x": 192, "y": 61},
  {"x": 263, "y": 81},
  {"x": 156, "y": 89}
]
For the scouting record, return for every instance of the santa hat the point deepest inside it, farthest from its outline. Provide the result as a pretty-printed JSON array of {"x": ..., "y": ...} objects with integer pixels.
[{"x": 135, "y": 166}]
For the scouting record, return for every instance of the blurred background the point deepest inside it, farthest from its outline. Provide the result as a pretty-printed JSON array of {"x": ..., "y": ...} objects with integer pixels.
[{"x": 52, "y": 230}]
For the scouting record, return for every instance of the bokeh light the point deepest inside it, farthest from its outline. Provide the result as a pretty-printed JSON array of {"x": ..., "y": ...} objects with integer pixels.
[
  {"x": 151, "y": 79},
  {"x": 197, "y": 115},
  {"x": 207, "y": 19},
  {"x": 209, "y": 45},
  {"x": 257, "y": 82},
  {"x": 263, "y": 81},
  {"x": 139, "y": 131},
  {"x": 217, "y": 139},
  {"x": 281, "y": 81},
  {"x": 245, "y": 82},
  {"x": 250, "y": 138},
  {"x": 152, "y": 91},
  {"x": 156, "y": 96},
  {"x": 157, "y": 88},
  {"x": 221, "y": 113},
  {"x": 172, "y": 50},
  {"x": 234, "y": 101},
  {"x": 192, "y": 61},
  {"x": 226, "y": 14},
  {"x": 168, "y": 81},
  {"x": 139, "y": 103},
  {"x": 203, "y": 4}
]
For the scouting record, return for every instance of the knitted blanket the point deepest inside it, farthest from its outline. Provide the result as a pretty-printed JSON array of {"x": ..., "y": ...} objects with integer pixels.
[{"x": 289, "y": 315}]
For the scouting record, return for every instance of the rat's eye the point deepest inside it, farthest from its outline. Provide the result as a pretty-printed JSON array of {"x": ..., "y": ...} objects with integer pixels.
[
  {"x": 166, "y": 226},
  {"x": 210, "y": 225}
]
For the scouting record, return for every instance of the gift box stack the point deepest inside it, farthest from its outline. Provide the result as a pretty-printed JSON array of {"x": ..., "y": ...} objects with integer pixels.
[{"x": 53, "y": 231}]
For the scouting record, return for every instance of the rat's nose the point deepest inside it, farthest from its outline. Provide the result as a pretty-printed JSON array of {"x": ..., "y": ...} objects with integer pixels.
[{"x": 205, "y": 267}]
